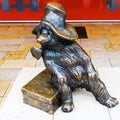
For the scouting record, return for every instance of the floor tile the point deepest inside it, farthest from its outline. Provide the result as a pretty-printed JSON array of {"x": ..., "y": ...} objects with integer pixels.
[
  {"x": 1, "y": 62},
  {"x": 6, "y": 32},
  {"x": 3, "y": 87},
  {"x": 9, "y": 88},
  {"x": 2, "y": 102},
  {"x": 113, "y": 54},
  {"x": 91, "y": 46},
  {"x": 15, "y": 55},
  {"x": 28, "y": 36},
  {"x": 101, "y": 63},
  {"x": 17, "y": 41},
  {"x": 99, "y": 54},
  {"x": 10, "y": 41},
  {"x": 2, "y": 27},
  {"x": 9, "y": 47},
  {"x": 27, "y": 47},
  {"x": 40, "y": 63},
  {"x": 9, "y": 36},
  {"x": 1, "y": 99},
  {"x": 91, "y": 36},
  {"x": 18, "y": 63},
  {"x": 25, "y": 32},
  {"x": 114, "y": 39},
  {"x": 29, "y": 26},
  {"x": 100, "y": 32},
  {"x": 16, "y": 27},
  {"x": 115, "y": 31},
  {"x": 28, "y": 41},
  {"x": 29, "y": 56},
  {"x": 106, "y": 26},
  {"x": 112, "y": 46},
  {"x": 96, "y": 41},
  {"x": 9, "y": 73},
  {"x": 115, "y": 62},
  {"x": 2, "y": 54}
]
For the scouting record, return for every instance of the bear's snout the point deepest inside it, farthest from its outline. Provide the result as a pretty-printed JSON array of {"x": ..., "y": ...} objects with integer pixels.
[{"x": 42, "y": 38}]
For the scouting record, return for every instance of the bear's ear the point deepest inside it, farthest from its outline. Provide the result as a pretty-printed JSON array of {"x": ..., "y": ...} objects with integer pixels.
[{"x": 36, "y": 30}]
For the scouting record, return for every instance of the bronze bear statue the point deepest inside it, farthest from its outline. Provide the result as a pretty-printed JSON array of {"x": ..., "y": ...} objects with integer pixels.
[{"x": 69, "y": 65}]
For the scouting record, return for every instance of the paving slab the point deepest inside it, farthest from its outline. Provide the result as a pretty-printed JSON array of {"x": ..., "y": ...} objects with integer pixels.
[
  {"x": 9, "y": 73},
  {"x": 18, "y": 63}
]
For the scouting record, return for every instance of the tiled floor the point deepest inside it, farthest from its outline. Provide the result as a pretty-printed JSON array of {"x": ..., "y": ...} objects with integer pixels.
[{"x": 102, "y": 45}]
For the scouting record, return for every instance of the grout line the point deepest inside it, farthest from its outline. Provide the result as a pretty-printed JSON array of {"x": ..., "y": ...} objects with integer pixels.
[
  {"x": 110, "y": 62},
  {"x": 109, "y": 114}
]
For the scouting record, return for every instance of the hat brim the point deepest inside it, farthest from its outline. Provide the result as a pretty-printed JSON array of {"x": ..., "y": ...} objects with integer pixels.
[{"x": 68, "y": 33}]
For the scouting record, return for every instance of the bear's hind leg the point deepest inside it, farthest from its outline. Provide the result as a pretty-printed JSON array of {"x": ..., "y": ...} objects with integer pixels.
[{"x": 101, "y": 94}]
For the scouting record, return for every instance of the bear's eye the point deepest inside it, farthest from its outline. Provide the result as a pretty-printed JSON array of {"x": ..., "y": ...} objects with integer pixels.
[
  {"x": 45, "y": 31},
  {"x": 48, "y": 33}
]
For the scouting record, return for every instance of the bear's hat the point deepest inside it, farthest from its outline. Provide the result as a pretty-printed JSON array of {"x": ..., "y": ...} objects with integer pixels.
[{"x": 54, "y": 18}]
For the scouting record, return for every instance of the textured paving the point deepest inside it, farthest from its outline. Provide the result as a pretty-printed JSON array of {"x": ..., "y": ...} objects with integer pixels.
[{"x": 102, "y": 45}]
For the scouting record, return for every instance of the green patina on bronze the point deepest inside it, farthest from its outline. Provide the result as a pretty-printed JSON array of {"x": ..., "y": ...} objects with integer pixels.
[{"x": 39, "y": 93}]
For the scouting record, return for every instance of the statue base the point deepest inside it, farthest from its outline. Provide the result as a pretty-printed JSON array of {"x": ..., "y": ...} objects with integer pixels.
[{"x": 40, "y": 94}]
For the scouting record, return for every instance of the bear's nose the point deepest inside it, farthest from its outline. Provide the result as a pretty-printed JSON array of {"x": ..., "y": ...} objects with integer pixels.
[{"x": 42, "y": 38}]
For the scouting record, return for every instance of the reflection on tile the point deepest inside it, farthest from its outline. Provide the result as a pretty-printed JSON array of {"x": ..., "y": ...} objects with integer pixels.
[
  {"x": 3, "y": 87},
  {"x": 27, "y": 47},
  {"x": 9, "y": 73},
  {"x": 18, "y": 63},
  {"x": 15, "y": 55}
]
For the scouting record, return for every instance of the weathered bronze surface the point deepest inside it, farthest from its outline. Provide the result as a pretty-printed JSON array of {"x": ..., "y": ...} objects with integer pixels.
[
  {"x": 39, "y": 93},
  {"x": 69, "y": 65}
]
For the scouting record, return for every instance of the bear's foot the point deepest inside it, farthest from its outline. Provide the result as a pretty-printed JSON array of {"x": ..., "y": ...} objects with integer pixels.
[
  {"x": 67, "y": 107},
  {"x": 110, "y": 102}
]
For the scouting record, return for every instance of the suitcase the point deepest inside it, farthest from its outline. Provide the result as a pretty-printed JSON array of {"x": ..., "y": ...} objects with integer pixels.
[{"x": 40, "y": 94}]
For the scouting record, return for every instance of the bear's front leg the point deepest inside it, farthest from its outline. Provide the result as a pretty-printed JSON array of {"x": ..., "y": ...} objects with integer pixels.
[
  {"x": 65, "y": 93},
  {"x": 60, "y": 82},
  {"x": 36, "y": 52}
]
